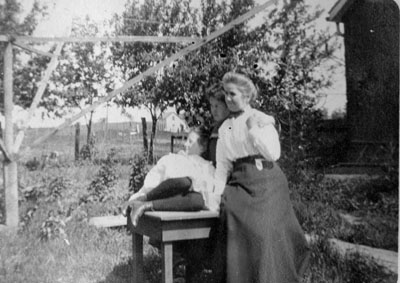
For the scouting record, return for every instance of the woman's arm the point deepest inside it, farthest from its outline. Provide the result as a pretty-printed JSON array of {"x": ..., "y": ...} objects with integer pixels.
[
  {"x": 224, "y": 165},
  {"x": 264, "y": 136}
]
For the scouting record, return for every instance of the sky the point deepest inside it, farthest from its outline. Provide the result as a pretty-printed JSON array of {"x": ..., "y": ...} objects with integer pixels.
[{"x": 61, "y": 13}]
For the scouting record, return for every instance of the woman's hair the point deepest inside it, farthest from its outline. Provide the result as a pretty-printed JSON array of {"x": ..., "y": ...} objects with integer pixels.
[
  {"x": 203, "y": 134},
  {"x": 216, "y": 92},
  {"x": 244, "y": 84}
]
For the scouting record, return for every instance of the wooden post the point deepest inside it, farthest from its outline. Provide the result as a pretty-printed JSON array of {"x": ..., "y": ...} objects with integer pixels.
[
  {"x": 10, "y": 168},
  {"x": 137, "y": 258},
  {"x": 77, "y": 138},
  {"x": 144, "y": 128}
]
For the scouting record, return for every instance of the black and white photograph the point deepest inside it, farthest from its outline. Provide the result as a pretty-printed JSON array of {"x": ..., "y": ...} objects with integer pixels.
[{"x": 199, "y": 141}]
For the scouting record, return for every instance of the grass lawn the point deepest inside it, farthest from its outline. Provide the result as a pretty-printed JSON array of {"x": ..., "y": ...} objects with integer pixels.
[{"x": 56, "y": 244}]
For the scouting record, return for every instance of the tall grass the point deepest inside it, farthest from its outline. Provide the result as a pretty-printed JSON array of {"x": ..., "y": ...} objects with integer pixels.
[{"x": 55, "y": 243}]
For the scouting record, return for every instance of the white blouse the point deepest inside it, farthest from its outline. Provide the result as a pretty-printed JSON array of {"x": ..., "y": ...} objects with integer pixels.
[
  {"x": 173, "y": 165},
  {"x": 237, "y": 141}
]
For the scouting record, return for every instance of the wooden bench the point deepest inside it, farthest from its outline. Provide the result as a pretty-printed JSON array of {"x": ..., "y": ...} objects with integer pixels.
[{"x": 167, "y": 227}]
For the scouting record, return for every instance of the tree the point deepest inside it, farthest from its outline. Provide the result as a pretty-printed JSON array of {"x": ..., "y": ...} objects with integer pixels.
[
  {"x": 288, "y": 69},
  {"x": 152, "y": 18},
  {"x": 84, "y": 74},
  {"x": 203, "y": 69},
  {"x": 11, "y": 24},
  {"x": 284, "y": 57}
]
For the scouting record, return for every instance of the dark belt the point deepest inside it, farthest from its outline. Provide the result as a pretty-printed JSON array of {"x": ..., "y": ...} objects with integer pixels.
[{"x": 257, "y": 160}]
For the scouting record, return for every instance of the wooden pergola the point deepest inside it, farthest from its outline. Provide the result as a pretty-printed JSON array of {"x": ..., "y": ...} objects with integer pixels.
[{"x": 10, "y": 147}]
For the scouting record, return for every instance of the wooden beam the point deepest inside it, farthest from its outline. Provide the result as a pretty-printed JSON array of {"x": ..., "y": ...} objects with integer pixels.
[
  {"x": 159, "y": 39},
  {"x": 34, "y": 50},
  {"x": 9, "y": 168},
  {"x": 155, "y": 68},
  {"x": 38, "y": 96}
]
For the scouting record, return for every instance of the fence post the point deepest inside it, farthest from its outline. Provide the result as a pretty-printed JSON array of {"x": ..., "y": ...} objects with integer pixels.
[
  {"x": 144, "y": 127},
  {"x": 77, "y": 139}
]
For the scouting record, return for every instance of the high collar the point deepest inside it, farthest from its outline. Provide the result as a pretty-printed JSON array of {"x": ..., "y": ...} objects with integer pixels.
[{"x": 238, "y": 113}]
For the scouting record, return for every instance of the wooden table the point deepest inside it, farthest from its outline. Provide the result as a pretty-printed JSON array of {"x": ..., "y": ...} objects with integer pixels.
[{"x": 167, "y": 227}]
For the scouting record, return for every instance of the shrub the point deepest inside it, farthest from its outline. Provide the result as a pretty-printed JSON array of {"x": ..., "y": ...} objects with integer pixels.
[
  {"x": 33, "y": 193},
  {"x": 100, "y": 188},
  {"x": 56, "y": 188},
  {"x": 28, "y": 216},
  {"x": 88, "y": 151},
  {"x": 33, "y": 164},
  {"x": 52, "y": 227},
  {"x": 139, "y": 171}
]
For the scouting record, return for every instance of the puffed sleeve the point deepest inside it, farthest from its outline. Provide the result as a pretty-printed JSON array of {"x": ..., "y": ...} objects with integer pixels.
[{"x": 266, "y": 140}]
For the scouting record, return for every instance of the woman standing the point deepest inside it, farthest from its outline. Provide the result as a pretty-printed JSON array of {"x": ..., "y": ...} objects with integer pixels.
[{"x": 264, "y": 241}]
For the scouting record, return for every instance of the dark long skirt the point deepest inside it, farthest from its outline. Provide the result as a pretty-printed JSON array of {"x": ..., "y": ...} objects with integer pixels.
[{"x": 264, "y": 241}]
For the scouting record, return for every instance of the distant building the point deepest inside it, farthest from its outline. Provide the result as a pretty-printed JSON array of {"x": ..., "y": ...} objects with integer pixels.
[
  {"x": 171, "y": 122},
  {"x": 371, "y": 42}
]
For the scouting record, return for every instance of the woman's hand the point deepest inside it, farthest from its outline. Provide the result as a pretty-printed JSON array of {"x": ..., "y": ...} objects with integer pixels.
[{"x": 259, "y": 120}]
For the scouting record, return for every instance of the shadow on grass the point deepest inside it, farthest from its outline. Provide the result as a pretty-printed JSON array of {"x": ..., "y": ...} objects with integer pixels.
[{"x": 122, "y": 273}]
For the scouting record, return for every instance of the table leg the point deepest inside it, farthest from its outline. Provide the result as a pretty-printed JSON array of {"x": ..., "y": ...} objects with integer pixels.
[
  {"x": 167, "y": 255},
  {"x": 137, "y": 258}
]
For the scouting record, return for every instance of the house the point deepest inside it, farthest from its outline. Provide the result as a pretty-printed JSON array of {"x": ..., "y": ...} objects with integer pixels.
[
  {"x": 371, "y": 42},
  {"x": 171, "y": 122}
]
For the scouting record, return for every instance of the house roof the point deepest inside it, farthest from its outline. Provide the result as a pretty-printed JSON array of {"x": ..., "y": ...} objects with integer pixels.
[
  {"x": 339, "y": 9},
  {"x": 169, "y": 114}
]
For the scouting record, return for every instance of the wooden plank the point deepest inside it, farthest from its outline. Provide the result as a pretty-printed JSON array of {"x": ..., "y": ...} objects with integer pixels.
[
  {"x": 34, "y": 50},
  {"x": 38, "y": 96},
  {"x": 108, "y": 221},
  {"x": 186, "y": 233},
  {"x": 181, "y": 215},
  {"x": 155, "y": 68},
  {"x": 154, "y": 39},
  {"x": 385, "y": 258}
]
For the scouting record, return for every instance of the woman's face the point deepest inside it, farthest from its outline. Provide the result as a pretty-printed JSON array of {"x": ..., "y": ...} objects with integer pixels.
[
  {"x": 234, "y": 98},
  {"x": 192, "y": 146},
  {"x": 218, "y": 109}
]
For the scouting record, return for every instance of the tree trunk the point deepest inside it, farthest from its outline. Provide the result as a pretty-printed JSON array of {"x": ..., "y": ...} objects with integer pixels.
[
  {"x": 89, "y": 129},
  {"x": 144, "y": 129}
]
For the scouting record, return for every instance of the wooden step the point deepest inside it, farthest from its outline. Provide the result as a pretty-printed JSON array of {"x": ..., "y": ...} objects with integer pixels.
[{"x": 108, "y": 221}]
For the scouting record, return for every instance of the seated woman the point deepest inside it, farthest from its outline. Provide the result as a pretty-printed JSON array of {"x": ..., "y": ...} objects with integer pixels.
[{"x": 178, "y": 182}]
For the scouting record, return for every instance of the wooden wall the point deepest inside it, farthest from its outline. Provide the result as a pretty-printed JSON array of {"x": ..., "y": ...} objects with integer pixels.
[{"x": 371, "y": 29}]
